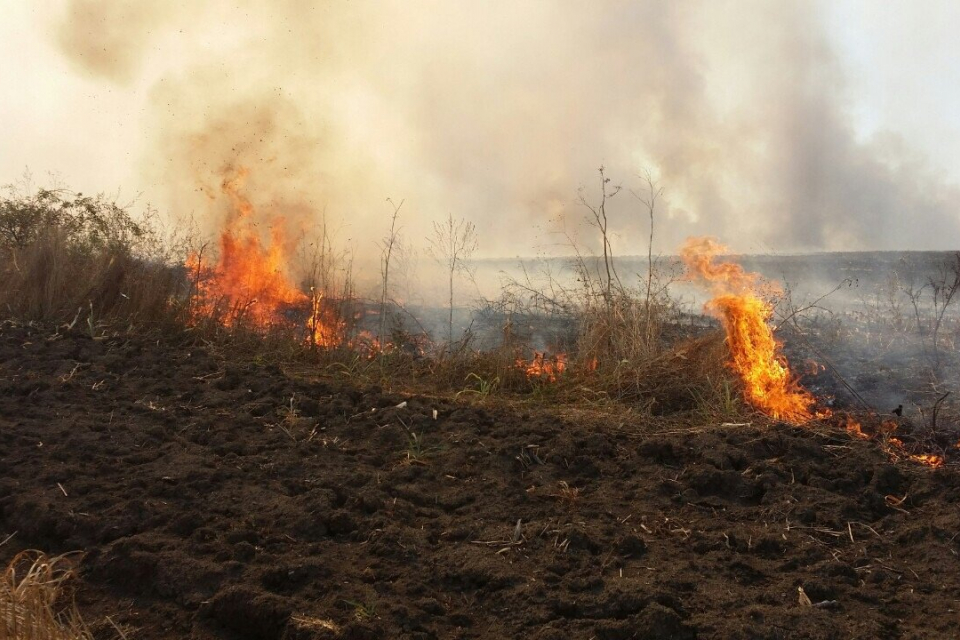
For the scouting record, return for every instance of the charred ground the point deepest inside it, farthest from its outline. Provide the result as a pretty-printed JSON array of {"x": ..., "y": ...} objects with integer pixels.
[{"x": 222, "y": 499}]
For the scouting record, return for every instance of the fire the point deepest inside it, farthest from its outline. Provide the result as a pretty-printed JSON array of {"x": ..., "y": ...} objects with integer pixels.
[
  {"x": 896, "y": 451},
  {"x": 325, "y": 327},
  {"x": 929, "y": 459},
  {"x": 249, "y": 284},
  {"x": 548, "y": 369},
  {"x": 370, "y": 345},
  {"x": 890, "y": 444},
  {"x": 755, "y": 353},
  {"x": 854, "y": 428}
]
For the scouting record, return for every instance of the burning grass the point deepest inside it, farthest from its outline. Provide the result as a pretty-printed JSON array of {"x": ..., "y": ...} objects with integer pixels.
[
  {"x": 249, "y": 283},
  {"x": 623, "y": 351},
  {"x": 86, "y": 263},
  {"x": 895, "y": 440},
  {"x": 755, "y": 355}
]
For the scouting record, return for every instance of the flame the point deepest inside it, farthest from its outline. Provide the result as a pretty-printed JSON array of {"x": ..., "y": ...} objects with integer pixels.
[
  {"x": 929, "y": 459},
  {"x": 755, "y": 353},
  {"x": 889, "y": 443},
  {"x": 326, "y": 328},
  {"x": 370, "y": 345},
  {"x": 813, "y": 367},
  {"x": 896, "y": 449},
  {"x": 854, "y": 428},
  {"x": 249, "y": 284},
  {"x": 542, "y": 367}
]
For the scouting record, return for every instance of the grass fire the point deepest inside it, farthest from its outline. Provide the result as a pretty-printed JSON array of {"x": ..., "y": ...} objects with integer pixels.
[
  {"x": 754, "y": 352},
  {"x": 249, "y": 284},
  {"x": 411, "y": 320}
]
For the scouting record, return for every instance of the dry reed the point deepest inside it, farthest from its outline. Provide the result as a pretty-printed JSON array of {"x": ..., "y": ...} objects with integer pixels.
[{"x": 31, "y": 600}]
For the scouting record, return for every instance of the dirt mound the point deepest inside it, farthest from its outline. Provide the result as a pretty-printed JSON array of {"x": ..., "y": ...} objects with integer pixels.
[{"x": 224, "y": 500}]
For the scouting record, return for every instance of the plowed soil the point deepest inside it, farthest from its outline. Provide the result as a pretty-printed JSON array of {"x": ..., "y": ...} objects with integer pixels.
[{"x": 213, "y": 499}]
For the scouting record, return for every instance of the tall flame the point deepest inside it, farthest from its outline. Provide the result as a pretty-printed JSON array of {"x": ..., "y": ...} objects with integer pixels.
[
  {"x": 249, "y": 282},
  {"x": 755, "y": 353}
]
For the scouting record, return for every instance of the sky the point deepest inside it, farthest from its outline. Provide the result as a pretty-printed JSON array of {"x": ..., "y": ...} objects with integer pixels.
[{"x": 777, "y": 127}]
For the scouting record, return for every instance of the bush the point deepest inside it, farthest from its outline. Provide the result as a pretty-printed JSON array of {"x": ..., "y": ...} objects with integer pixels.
[{"x": 66, "y": 256}]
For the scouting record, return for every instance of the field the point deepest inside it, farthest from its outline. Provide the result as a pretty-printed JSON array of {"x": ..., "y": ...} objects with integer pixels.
[
  {"x": 500, "y": 320},
  {"x": 217, "y": 498},
  {"x": 213, "y": 447}
]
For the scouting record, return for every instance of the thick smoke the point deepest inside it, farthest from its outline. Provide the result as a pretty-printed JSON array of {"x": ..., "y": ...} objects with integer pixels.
[
  {"x": 498, "y": 111},
  {"x": 109, "y": 39}
]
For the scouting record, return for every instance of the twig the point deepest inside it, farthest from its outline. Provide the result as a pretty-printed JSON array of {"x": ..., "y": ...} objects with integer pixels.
[
  {"x": 936, "y": 410},
  {"x": 872, "y": 530},
  {"x": 497, "y": 543},
  {"x": 113, "y": 624}
]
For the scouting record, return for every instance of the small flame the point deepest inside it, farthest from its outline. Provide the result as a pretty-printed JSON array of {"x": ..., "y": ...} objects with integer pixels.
[
  {"x": 755, "y": 353},
  {"x": 929, "y": 459},
  {"x": 889, "y": 443},
  {"x": 813, "y": 367},
  {"x": 326, "y": 329},
  {"x": 540, "y": 366},
  {"x": 368, "y": 344},
  {"x": 855, "y": 429}
]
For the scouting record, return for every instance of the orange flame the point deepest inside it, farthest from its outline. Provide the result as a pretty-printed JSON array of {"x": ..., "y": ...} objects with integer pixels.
[
  {"x": 855, "y": 429},
  {"x": 755, "y": 353},
  {"x": 326, "y": 328},
  {"x": 929, "y": 459},
  {"x": 889, "y": 443},
  {"x": 542, "y": 367},
  {"x": 249, "y": 283}
]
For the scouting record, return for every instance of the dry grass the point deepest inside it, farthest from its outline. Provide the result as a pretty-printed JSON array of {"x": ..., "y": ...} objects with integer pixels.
[
  {"x": 52, "y": 279},
  {"x": 624, "y": 328},
  {"x": 31, "y": 600},
  {"x": 84, "y": 261}
]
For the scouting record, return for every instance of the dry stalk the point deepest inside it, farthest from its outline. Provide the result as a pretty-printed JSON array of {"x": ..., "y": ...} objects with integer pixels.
[{"x": 31, "y": 591}]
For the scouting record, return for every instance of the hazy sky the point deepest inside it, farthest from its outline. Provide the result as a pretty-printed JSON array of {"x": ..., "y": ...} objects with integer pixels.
[{"x": 777, "y": 126}]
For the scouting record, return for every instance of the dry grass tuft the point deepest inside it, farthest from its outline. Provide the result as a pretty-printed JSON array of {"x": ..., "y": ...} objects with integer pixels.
[
  {"x": 31, "y": 595},
  {"x": 83, "y": 261},
  {"x": 310, "y": 623},
  {"x": 53, "y": 280}
]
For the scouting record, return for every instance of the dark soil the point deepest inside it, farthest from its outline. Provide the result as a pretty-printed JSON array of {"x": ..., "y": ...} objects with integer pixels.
[{"x": 208, "y": 508}]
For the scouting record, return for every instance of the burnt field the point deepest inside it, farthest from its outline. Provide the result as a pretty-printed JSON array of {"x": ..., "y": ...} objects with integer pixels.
[{"x": 212, "y": 498}]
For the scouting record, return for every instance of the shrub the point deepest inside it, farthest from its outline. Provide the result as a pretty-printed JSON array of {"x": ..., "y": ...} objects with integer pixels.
[{"x": 67, "y": 257}]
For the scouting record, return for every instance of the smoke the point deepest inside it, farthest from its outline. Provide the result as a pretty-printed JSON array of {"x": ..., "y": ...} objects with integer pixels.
[
  {"x": 109, "y": 39},
  {"x": 498, "y": 111}
]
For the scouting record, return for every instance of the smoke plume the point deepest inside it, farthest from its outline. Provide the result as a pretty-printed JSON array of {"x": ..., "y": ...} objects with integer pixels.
[{"x": 498, "y": 111}]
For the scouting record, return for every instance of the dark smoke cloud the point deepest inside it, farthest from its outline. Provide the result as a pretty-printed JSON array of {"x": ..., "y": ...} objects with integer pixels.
[{"x": 497, "y": 111}]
